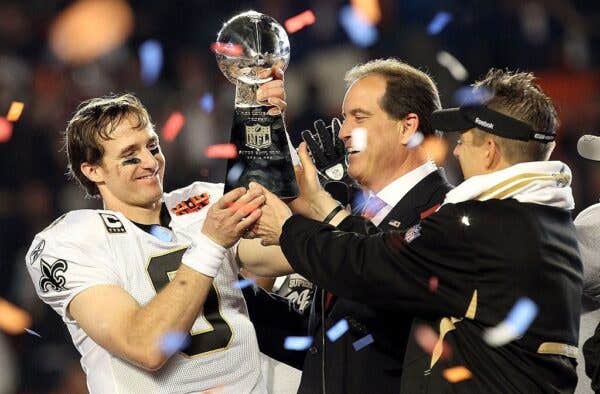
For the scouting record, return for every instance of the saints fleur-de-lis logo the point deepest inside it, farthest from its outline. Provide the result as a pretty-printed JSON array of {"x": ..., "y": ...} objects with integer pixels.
[{"x": 51, "y": 276}]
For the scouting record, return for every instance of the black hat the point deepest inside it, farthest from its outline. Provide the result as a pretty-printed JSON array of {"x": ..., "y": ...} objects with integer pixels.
[{"x": 467, "y": 117}]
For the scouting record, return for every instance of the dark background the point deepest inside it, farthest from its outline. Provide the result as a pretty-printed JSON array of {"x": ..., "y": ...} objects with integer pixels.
[{"x": 559, "y": 40}]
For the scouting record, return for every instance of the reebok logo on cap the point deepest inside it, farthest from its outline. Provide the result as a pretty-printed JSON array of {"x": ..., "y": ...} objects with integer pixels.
[{"x": 483, "y": 123}]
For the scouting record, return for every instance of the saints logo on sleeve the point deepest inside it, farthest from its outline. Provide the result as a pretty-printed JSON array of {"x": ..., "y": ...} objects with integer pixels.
[{"x": 52, "y": 276}]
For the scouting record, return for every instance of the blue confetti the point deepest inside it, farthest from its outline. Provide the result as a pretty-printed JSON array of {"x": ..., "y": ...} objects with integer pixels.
[
  {"x": 243, "y": 283},
  {"x": 161, "y": 233},
  {"x": 207, "y": 102},
  {"x": 439, "y": 21},
  {"x": 31, "y": 332},
  {"x": 235, "y": 173},
  {"x": 468, "y": 95},
  {"x": 151, "y": 61},
  {"x": 358, "y": 30},
  {"x": 173, "y": 341},
  {"x": 521, "y": 315},
  {"x": 297, "y": 343},
  {"x": 362, "y": 342},
  {"x": 338, "y": 329}
]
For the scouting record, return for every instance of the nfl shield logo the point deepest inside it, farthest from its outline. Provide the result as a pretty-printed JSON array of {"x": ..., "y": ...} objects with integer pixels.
[{"x": 258, "y": 136}]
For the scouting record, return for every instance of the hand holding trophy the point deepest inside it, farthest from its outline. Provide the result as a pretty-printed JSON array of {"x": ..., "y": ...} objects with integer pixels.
[{"x": 262, "y": 144}]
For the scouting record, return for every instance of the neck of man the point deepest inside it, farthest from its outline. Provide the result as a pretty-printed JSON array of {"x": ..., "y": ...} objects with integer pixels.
[
  {"x": 389, "y": 174},
  {"x": 143, "y": 215}
]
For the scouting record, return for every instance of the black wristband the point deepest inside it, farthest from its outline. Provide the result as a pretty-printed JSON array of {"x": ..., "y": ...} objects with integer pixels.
[{"x": 332, "y": 214}]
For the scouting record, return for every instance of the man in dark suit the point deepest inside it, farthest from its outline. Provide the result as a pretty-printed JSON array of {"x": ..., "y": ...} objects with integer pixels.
[{"x": 390, "y": 103}]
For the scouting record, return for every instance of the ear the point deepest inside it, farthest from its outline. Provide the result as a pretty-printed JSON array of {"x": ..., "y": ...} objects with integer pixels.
[
  {"x": 407, "y": 127},
  {"x": 493, "y": 155},
  {"x": 93, "y": 172}
]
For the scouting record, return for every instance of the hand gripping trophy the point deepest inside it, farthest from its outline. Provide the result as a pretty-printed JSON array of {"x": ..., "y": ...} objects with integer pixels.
[{"x": 251, "y": 44}]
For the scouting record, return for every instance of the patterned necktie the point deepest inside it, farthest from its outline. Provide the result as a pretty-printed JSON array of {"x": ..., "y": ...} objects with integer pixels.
[{"x": 372, "y": 207}]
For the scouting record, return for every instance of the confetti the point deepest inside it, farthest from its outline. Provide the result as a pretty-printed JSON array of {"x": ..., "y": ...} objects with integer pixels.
[
  {"x": 173, "y": 341},
  {"x": 457, "y": 374},
  {"x": 359, "y": 139},
  {"x": 588, "y": 147},
  {"x": 433, "y": 284},
  {"x": 297, "y": 343},
  {"x": 88, "y": 29},
  {"x": 465, "y": 220},
  {"x": 162, "y": 233},
  {"x": 300, "y": 21},
  {"x": 338, "y": 329},
  {"x": 15, "y": 111},
  {"x": 516, "y": 323},
  {"x": 227, "y": 49},
  {"x": 13, "y": 320},
  {"x": 207, "y": 102},
  {"x": 235, "y": 173},
  {"x": 427, "y": 338},
  {"x": 468, "y": 95},
  {"x": 358, "y": 29},
  {"x": 439, "y": 21},
  {"x": 456, "y": 69},
  {"x": 243, "y": 283},
  {"x": 221, "y": 151},
  {"x": 363, "y": 342},
  {"x": 173, "y": 126},
  {"x": 416, "y": 140},
  {"x": 151, "y": 61},
  {"x": 31, "y": 332},
  {"x": 368, "y": 9},
  {"x": 6, "y": 129}
]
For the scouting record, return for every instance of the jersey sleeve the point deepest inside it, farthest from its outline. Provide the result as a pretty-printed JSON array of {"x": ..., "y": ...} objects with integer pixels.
[
  {"x": 69, "y": 258},
  {"x": 587, "y": 225}
]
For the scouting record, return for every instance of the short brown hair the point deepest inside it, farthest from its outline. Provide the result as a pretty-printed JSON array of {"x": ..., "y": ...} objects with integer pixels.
[
  {"x": 517, "y": 95},
  {"x": 408, "y": 90},
  {"x": 95, "y": 120}
]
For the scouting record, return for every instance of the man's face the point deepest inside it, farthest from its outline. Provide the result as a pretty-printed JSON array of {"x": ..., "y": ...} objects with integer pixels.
[
  {"x": 374, "y": 166},
  {"x": 472, "y": 158},
  {"x": 132, "y": 167}
]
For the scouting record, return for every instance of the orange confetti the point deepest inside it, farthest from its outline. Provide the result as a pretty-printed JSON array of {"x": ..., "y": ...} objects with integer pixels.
[
  {"x": 13, "y": 320},
  {"x": 457, "y": 374},
  {"x": 15, "y": 111},
  {"x": 173, "y": 126},
  {"x": 299, "y": 21},
  {"x": 227, "y": 49},
  {"x": 221, "y": 151},
  {"x": 427, "y": 338},
  {"x": 368, "y": 9},
  {"x": 6, "y": 129},
  {"x": 88, "y": 29},
  {"x": 435, "y": 148}
]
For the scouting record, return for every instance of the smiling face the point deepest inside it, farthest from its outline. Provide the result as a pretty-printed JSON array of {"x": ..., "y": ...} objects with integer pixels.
[
  {"x": 377, "y": 164},
  {"x": 130, "y": 174}
]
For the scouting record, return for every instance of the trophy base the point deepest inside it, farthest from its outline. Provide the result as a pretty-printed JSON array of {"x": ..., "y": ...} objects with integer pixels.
[{"x": 263, "y": 153}]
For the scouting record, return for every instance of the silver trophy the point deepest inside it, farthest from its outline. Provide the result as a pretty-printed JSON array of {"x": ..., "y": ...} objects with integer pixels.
[{"x": 248, "y": 46}]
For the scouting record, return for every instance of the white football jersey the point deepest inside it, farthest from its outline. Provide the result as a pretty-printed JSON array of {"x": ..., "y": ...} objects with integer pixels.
[{"x": 86, "y": 248}]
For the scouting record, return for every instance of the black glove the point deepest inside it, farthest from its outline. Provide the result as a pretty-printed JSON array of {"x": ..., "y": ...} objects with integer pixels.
[{"x": 329, "y": 155}]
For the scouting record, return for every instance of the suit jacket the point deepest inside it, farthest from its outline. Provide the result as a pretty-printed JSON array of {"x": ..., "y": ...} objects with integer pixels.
[
  {"x": 376, "y": 368},
  {"x": 505, "y": 251}
]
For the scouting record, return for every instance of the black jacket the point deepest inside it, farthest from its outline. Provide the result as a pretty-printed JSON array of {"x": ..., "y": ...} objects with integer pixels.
[
  {"x": 506, "y": 251},
  {"x": 375, "y": 368}
]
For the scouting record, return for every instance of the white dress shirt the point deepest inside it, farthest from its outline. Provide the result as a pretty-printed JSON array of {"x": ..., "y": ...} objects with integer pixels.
[{"x": 397, "y": 189}]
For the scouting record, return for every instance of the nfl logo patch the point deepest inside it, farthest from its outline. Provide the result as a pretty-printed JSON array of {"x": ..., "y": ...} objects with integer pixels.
[{"x": 412, "y": 233}]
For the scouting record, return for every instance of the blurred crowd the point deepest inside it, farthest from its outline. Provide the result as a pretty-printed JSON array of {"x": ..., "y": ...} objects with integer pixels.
[{"x": 559, "y": 40}]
